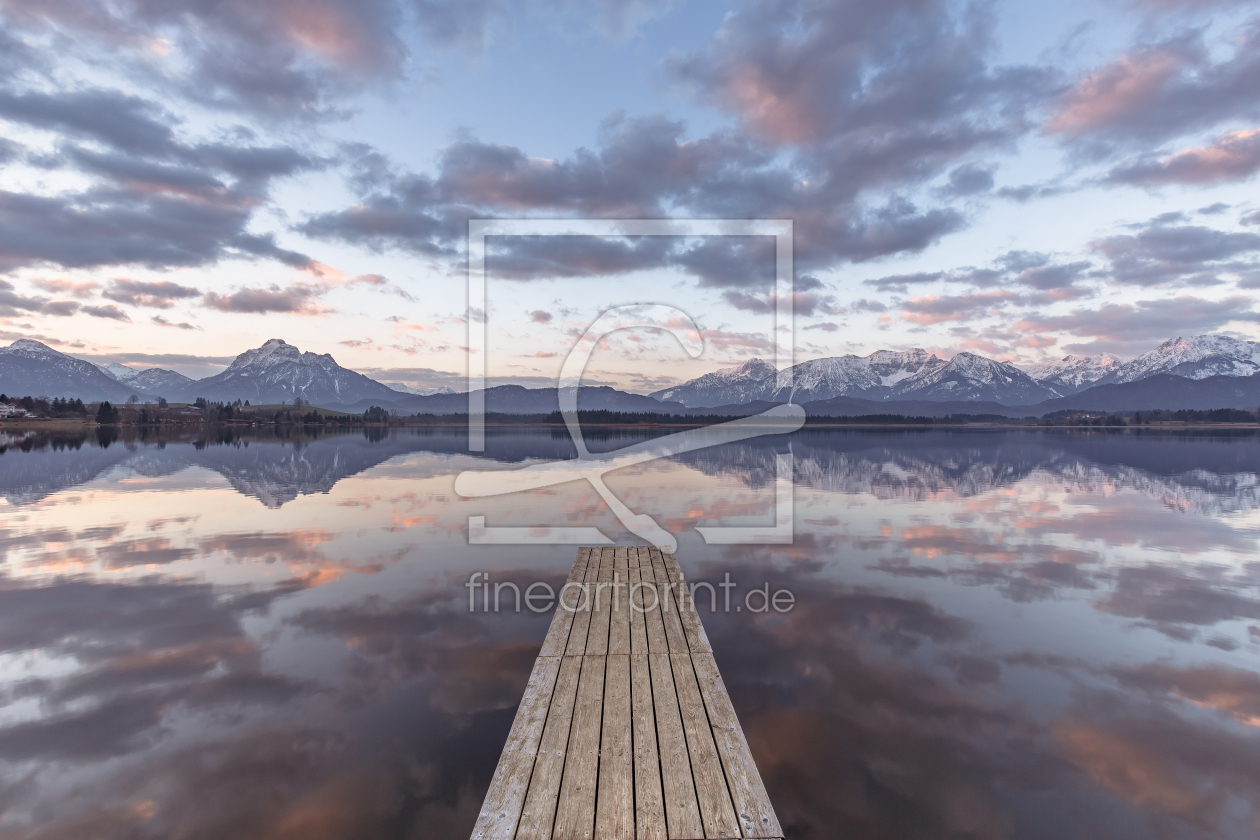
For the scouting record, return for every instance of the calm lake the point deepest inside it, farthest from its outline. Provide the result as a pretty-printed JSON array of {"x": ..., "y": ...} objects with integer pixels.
[{"x": 996, "y": 634}]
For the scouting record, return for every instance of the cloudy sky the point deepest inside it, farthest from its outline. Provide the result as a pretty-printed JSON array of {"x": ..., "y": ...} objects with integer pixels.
[{"x": 181, "y": 180}]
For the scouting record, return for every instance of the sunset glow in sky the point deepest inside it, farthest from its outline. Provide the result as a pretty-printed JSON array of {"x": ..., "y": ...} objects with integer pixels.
[{"x": 183, "y": 180}]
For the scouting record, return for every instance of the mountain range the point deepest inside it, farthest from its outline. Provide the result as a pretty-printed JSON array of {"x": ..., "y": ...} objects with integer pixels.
[{"x": 1207, "y": 371}]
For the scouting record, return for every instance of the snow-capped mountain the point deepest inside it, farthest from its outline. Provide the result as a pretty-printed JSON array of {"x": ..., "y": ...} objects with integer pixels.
[
  {"x": 1193, "y": 358},
  {"x": 750, "y": 381},
  {"x": 971, "y": 377},
  {"x": 118, "y": 372},
  {"x": 403, "y": 387},
  {"x": 28, "y": 367},
  {"x": 870, "y": 377},
  {"x": 1073, "y": 373},
  {"x": 156, "y": 381},
  {"x": 278, "y": 372}
]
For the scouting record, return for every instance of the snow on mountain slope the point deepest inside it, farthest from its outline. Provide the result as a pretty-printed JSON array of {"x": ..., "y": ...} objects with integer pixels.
[
  {"x": 419, "y": 392},
  {"x": 30, "y": 368},
  {"x": 734, "y": 385},
  {"x": 278, "y": 372},
  {"x": 870, "y": 377},
  {"x": 119, "y": 372},
  {"x": 159, "y": 381},
  {"x": 1073, "y": 373},
  {"x": 1194, "y": 358},
  {"x": 971, "y": 377}
]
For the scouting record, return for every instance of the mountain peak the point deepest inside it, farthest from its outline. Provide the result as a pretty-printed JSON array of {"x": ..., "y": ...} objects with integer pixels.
[{"x": 30, "y": 345}]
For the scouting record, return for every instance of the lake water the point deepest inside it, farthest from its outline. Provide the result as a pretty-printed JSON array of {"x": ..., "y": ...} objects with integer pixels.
[{"x": 996, "y": 634}]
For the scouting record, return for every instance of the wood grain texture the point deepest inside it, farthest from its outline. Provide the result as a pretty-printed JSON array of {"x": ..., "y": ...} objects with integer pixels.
[
  {"x": 575, "y": 810},
  {"x": 506, "y": 796},
  {"x": 635, "y": 602},
  {"x": 614, "y": 806},
  {"x": 716, "y": 809},
  {"x": 625, "y": 729},
  {"x": 539, "y": 812},
  {"x": 748, "y": 793},
  {"x": 582, "y": 607},
  {"x": 682, "y": 811},
  {"x": 601, "y": 607},
  {"x": 654, "y": 624},
  {"x": 562, "y": 622},
  {"x": 649, "y": 802},
  {"x": 669, "y": 606}
]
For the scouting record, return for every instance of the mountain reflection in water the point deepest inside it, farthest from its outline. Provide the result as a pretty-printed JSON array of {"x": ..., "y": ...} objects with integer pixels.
[{"x": 1021, "y": 634}]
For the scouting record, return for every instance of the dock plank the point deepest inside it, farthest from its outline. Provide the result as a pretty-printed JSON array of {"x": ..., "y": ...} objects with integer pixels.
[
  {"x": 539, "y": 812},
  {"x": 748, "y": 793},
  {"x": 506, "y": 796},
  {"x": 688, "y": 614},
  {"x": 649, "y": 802},
  {"x": 635, "y": 600},
  {"x": 669, "y": 606},
  {"x": 582, "y": 607},
  {"x": 706, "y": 767},
  {"x": 682, "y": 810},
  {"x": 614, "y": 810},
  {"x": 575, "y": 810},
  {"x": 601, "y": 606},
  {"x": 562, "y": 622},
  {"x": 625, "y": 729}
]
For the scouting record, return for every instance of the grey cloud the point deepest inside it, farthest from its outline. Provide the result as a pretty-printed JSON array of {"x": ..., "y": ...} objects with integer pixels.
[
  {"x": 1234, "y": 156},
  {"x": 1213, "y": 209},
  {"x": 109, "y": 311},
  {"x": 526, "y": 257},
  {"x": 1161, "y": 254},
  {"x": 12, "y": 303},
  {"x": 643, "y": 167},
  {"x": 158, "y": 295},
  {"x": 1164, "y": 90},
  {"x": 61, "y": 307},
  {"x": 901, "y": 282},
  {"x": 1022, "y": 260},
  {"x": 1252, "y": 218},
  {"x": 1050, "y": 277},
  {"x": 970, "y": 179},
  {"x": 540, "y": 316},
  {"x": 803, "y": 303},
  {"x": 1149, "y": 319},
  {"x": 162, "y": 322},
  {"x": 298, "y": 299},
  {"x": 127, "y": 123}
]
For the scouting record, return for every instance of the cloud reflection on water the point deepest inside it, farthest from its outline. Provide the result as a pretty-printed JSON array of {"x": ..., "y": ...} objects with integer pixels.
[{"x": 996, "y": 635}]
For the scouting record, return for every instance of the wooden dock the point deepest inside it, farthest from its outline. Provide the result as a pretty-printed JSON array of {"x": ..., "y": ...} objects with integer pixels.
[{"x": 625, "y": 731}]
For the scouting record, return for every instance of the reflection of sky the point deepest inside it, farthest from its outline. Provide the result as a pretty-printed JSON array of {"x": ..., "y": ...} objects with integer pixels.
[{"x": 985, "y": 643}]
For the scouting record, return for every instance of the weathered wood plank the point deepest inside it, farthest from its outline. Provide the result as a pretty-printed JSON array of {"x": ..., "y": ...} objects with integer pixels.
[
  {"x": 506, "y": 796},
  {"x": 602, "y": 603},
  {"x": 752, "y": 804},
  {"x": 614, "y": 814},
  {"x": 688, "y": 613},
  {"x": 669, "y": 606},
  {"x": 619, "y": 620},
  {"x": 575, "y": 810},
  {"x": 539, "y": 812},
  {"x": 716, "y": 808},
  {"x": 562, "y": 622},
  {"x": 649, "y": 804},
  {"x": 682, "y": 811},
  {"x": 582, "y": 608},
  {"x": 630, "y": 733},
  {"x": 653, "y": 623},
  {"x": 638, "y": 620}
]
